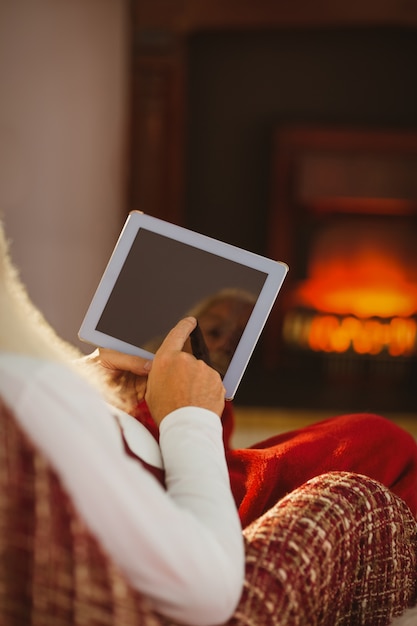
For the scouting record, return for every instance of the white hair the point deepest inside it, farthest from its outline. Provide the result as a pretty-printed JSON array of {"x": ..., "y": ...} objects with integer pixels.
[
  {"x": 24, "y": 330},
  {"x": 240, "y": 296}
]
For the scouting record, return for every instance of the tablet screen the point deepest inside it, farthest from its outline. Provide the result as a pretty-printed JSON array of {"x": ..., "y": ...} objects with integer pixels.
[
  {"x": 160, "y": 273},
  {"x": 153, "y": 292}
]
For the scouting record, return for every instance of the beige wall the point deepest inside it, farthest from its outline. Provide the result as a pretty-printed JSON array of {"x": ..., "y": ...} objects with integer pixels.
[{"x": 63, "y": 124}]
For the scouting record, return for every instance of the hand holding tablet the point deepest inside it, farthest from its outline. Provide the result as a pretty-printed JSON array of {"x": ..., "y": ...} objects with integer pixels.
[{"x": 159, "y": 273}]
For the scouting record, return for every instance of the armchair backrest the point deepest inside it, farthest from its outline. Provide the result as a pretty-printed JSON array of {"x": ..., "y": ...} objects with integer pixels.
[{"x": 52, "y": 570}]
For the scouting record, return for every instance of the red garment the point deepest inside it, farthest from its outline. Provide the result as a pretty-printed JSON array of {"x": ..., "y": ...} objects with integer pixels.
[{"x": 362, "y": 443}]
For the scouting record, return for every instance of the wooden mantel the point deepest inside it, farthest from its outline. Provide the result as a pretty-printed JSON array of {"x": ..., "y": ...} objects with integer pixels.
[
  {"x": 185, "y": 16},
  {"x": 160, "y": 29}
]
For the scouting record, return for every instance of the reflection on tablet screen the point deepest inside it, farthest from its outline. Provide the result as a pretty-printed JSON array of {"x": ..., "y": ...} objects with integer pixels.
[
  {"x": 163, "y": 280},
  {"x": 222, "y": 318}
]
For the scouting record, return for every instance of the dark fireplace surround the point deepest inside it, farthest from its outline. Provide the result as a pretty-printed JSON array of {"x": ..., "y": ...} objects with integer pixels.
[
  {"x": 344, "y": 213},
  {"x": 325, "y": 182}
]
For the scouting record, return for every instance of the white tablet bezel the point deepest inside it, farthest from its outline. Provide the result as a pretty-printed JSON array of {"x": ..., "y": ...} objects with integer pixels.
[{"x": 275, "y": 274}]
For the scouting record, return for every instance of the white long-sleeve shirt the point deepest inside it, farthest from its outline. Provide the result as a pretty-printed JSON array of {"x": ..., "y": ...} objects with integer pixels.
[{"x": 182, "y": 547}]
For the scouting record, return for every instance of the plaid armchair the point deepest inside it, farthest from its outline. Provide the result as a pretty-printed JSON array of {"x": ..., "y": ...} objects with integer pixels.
[{"x": 339, "y": 550}]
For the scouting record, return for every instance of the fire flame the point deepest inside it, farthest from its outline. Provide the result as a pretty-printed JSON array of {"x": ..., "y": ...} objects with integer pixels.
[
  {"x": 360, "y": 300},
  {"x": 330, "y": 334},
  {"x": 367, "y": 305},
  {"x": 363, "y": 293}
]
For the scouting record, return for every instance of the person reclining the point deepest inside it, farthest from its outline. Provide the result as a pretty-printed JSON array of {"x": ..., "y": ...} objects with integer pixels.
[{"x": 179, "y": 543}]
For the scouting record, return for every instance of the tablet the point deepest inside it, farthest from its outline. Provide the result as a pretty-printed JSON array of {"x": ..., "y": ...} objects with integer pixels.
[{"x": 159, "y": 273}]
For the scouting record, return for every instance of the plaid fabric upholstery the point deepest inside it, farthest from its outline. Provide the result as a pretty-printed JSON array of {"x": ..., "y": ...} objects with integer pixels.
[{"x": 339, "y": 550}]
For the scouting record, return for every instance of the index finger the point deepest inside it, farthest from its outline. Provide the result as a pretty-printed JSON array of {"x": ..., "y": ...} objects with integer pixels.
[{"x": 176, "y": 338}]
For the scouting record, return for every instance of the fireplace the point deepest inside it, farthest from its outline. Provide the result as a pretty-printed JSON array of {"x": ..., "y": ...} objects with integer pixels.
[
  {"x": 344, "y": 215},
  {"x": 211, "y": 87}
]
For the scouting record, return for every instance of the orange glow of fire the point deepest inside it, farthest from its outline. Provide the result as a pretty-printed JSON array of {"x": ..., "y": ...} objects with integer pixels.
[
  {"x": 368, "y": 304},
  {"x": 360, "y": 300},
  {"x": 370, "y": 286}
]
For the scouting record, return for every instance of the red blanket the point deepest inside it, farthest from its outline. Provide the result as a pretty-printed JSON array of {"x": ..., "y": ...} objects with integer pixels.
[{"x": 362, "y": 443}]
